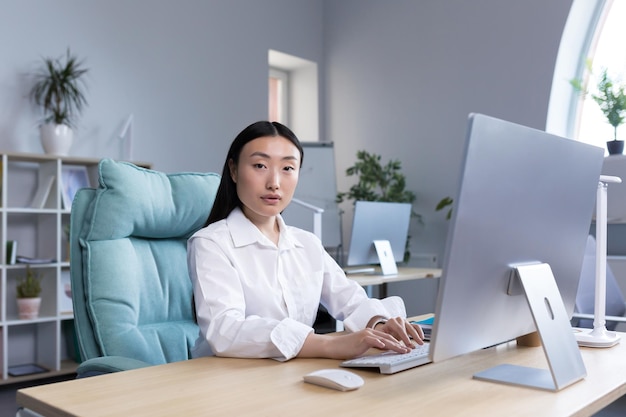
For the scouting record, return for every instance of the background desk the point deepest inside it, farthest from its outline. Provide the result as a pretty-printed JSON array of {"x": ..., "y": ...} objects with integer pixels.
[
  {"x": 253, "y": 387},
  {"x": 404, "y": 274}
]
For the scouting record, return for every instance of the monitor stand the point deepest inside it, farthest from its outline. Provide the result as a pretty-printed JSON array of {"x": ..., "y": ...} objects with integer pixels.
[
  {"x": 553, "y": 325},
  {"x": 385, "y": 257}
]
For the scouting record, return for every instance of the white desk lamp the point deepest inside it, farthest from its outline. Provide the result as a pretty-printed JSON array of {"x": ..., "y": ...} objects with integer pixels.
[
  {"x": 317, "y": 216},
  {"x": 599, "y": 336}
]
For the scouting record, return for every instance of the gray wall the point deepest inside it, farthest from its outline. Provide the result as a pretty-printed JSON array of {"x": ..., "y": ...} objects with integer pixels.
[
  {"x": 193, "y": 72},
  {"x": 402, "y": 77}
]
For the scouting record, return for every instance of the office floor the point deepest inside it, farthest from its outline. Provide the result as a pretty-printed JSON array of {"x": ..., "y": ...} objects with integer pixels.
[{"x": 8, "y": 406}]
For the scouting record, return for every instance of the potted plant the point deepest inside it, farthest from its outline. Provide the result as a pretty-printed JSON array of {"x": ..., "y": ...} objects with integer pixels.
[
  {"x": 378, "y": 182},
  {"x": 28, "y": 292},
  {"x": 611, "y": 98},
  {"x": 59, "y": 91}
]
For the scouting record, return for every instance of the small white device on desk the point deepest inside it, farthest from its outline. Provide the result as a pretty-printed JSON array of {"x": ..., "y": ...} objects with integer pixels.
[{"x": 338, "y": 379}]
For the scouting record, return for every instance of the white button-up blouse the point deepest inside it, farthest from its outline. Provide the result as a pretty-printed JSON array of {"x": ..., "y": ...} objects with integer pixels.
[{"x": 256, "y": 300}]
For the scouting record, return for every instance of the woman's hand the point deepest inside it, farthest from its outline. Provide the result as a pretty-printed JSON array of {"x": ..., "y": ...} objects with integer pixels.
[
  {"x": 350, "y": 345},
  {"x": 403, "y": 330}
]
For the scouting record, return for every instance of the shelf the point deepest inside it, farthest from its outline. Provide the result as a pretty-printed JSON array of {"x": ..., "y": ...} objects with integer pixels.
[
  {"x": 67, "y": 160},
  {"x": 15, "y": 321},
  {"x": 68, "y": 367},
  {"x": 40, "y": 232}
]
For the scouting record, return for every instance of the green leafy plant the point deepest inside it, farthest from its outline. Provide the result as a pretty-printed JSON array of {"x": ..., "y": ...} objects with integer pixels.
[
  {"x": 59, "y": 89},
  {"x": 379, "y": 182},
  {"x": 30, "y": 285},
  {"x": 610, "y": 97},
  {"x": 443, "y": 203}
]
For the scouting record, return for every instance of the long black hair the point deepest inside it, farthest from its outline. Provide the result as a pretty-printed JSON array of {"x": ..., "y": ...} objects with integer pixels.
[{"x": 227, "y": 199}]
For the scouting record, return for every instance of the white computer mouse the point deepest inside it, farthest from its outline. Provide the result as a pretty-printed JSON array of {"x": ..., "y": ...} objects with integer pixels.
[{"x": 338, "y": 379}]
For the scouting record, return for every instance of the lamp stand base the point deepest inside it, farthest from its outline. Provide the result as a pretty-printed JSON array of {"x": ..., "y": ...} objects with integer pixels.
[{"x": 599, "y": 337}]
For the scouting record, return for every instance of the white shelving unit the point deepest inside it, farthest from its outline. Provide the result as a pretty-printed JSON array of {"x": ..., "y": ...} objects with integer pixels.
[{"x": 40, "y": 232}]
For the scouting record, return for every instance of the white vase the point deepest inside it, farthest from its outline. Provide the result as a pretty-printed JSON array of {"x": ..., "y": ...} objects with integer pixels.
[
  {"x": 28, "y": 308},
  {"x": 56, "y": 139}
]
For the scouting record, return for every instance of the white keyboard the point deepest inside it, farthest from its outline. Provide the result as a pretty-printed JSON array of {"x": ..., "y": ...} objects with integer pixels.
[{"x": 392, "y": 362}]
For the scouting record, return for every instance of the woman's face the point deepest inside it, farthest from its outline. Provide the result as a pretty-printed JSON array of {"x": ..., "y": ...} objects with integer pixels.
[{"x": 266, "y": 176}]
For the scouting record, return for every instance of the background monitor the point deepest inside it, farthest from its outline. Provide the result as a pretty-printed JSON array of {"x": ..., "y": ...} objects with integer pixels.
[
  {"x": 376, "y": 220},
  {"x": 525, "y": 196}
]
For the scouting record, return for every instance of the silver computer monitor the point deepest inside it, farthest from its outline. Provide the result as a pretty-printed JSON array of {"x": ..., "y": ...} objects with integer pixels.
[
  {"x": 376, "y": 220},
  {"x": 525, "y": 196}
]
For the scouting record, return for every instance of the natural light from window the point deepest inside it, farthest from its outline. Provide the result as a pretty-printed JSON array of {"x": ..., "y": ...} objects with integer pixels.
[
  {"x": 293, "y": 94},
  {"x": 278, "y": 93},
  {"x": 607, "y": 51}
]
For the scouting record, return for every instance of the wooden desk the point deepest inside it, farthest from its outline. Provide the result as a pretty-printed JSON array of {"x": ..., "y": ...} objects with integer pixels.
[
  {"x": 254, "y": 387},
  {"x": 404, "y": 274}
]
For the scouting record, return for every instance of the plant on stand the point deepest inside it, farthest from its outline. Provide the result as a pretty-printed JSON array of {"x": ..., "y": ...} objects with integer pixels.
[
  {"x": 611, "y": 98},
  {"x": 28, "y": 292},
  {"x": 59, "y": 91},
  {"x": 378, "y": 182}
]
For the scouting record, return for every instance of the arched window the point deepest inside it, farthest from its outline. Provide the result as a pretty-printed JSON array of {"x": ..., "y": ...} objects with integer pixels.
[
  {"x": 608, "y": 51},
  {"x": 594, "y": 31}
]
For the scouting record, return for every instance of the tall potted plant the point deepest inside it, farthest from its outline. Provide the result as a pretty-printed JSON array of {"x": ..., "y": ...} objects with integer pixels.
[
  {"x": 611, "y": 98},
  {"x": 378, "y": 182},
  {"x": 59, "y": 91}
]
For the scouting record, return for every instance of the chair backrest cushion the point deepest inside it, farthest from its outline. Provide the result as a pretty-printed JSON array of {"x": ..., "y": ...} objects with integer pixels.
[{"x": 131, "y": 241}]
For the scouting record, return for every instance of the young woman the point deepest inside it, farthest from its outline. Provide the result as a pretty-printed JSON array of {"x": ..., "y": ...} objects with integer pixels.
[{"x": 258, "y": 283}]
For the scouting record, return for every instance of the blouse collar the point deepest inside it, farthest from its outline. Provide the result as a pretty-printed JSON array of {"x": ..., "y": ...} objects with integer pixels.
[{"x": 244, "y": 232}]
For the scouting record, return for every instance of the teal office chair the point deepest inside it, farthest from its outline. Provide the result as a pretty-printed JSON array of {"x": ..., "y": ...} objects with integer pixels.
[{"x": 128, "y": 263}]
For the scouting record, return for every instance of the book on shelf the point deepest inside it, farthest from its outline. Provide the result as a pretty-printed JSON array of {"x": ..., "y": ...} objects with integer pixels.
[
  {"x": 26, "y": 369},
  {"x": 43, "y": 192},
  {"x": 28, "y": 260},
  {"x": 11, "y": 252}
]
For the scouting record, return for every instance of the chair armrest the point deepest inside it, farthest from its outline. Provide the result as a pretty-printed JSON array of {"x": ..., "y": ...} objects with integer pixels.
[{"x": 107, "y": 365}]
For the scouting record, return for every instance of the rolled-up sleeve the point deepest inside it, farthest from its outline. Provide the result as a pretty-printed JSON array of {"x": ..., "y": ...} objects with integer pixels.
[
  {"x": 288, "y": 337},
  {"x": 388, "y": 307}
]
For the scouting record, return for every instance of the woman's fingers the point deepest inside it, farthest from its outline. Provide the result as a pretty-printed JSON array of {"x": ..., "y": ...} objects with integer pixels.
[
  {"x": 404, "y": 331},
  {"x": 385, "y": 341}
]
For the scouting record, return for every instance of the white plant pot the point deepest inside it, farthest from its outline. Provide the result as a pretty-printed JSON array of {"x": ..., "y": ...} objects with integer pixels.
[
  {"x": 56, "y": 139},
  {"x": 28, "y": 308}
]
